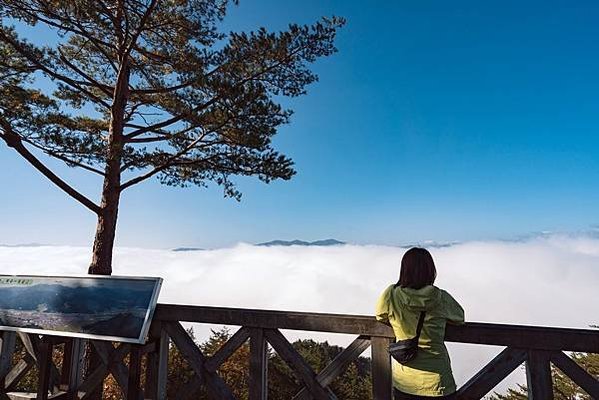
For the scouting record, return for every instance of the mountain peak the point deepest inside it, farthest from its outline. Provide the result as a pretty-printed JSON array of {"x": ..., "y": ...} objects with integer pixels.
[
  {"x": 296, "y": 242},
  {"x": 182, "y": 249}
]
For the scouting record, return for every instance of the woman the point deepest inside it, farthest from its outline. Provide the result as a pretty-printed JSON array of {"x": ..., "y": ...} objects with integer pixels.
[{"x": 429, "y": 373}]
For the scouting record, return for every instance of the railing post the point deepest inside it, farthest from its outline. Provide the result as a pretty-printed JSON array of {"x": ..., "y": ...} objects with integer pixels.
[
  {"x": 134, "y": 392},
  {"x": 7, "y": 348},
  {"x": 45, "y": 367},
  {"x": 157, "y": 366},
  {"x": 538, "y": 375},
  {"x": 72, "y": 367},
  {"x": 258, "y": 385},
  {"x": 93, "y": 361},
  {"x": 382, "y": 384}
]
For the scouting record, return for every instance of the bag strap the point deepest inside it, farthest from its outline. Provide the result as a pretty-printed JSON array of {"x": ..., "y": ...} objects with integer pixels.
[{"x": 420, "y": 324}]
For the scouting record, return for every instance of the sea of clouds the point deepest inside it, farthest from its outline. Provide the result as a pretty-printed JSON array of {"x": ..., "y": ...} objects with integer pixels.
[{"x": 550, "y": 280}]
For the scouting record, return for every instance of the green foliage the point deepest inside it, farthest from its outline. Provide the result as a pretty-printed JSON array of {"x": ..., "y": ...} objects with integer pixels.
[
  {"x": 154, "y": 86},
  {"x": 354, "y": 384},
  {"x": 563, "y": 387}
]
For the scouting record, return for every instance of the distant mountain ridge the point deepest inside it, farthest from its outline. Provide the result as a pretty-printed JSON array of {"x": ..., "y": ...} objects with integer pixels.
[
  {"x": 429, "y": 244},
  {"x": 180, "y": 249},
  {"x": 23, "y": 245},
  {"x": 325, "y": 242}
]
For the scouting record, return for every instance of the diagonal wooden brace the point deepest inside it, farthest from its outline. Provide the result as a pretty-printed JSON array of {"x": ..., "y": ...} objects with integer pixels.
[
  {"x": 492, "y": 373},
  {"x": 338, "y": 365},
  {"x": 298, "y": 365},
  {"x": 217, "y": 388},
  {"x": 215, "y": 361},
  {"x": 575, "y": 372},
  {"x": 112, "y": 362}
]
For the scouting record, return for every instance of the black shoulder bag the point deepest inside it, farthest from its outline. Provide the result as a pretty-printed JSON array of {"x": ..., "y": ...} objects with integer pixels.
[{"x": 405, "y": 350}]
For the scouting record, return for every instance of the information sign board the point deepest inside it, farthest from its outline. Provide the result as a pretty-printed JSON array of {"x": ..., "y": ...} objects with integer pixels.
[{"x": 116, "y": 308}]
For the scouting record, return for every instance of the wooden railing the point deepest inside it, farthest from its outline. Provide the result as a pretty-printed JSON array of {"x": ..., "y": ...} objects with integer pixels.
[{"x": 537, "y": 347}]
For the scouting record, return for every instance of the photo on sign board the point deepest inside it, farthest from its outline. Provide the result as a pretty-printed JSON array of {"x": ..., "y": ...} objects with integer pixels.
[{"x": 111, "y": 308}]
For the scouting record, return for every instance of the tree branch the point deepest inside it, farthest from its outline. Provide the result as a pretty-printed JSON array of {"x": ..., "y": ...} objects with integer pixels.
[
  {"x": 13, "y": 140},
  {"x": 173, "y": 158},
  {"x": 35, "y": 13},
  {"x": 179, "y": 117},
  {"x": 162, "y": 166},
  {"x": 162, "y": 90},
  {"x": 142, "y": 23},
  {"x": 108, "y": 90},
  {"x": 170, "y": 121},
  {"x": 47, "y": 70},
  {"x": 151, "y": 139},
  {"x": 63, "y": 158}
]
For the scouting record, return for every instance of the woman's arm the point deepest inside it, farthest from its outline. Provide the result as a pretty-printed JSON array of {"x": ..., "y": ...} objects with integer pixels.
[
  {"x": 453, "y": 310},
  {"x": 382, "y": 306}
]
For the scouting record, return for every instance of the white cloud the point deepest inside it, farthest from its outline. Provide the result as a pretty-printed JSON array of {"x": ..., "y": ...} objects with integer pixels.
[{"x": 548, "y": 280}]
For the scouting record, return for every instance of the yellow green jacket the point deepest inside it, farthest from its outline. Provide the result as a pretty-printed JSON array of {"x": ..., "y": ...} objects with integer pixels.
[{"x": 429, "y": 374}]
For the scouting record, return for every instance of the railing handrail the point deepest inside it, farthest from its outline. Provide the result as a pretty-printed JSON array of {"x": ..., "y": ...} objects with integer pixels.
[{"x": 518, "y": 336}]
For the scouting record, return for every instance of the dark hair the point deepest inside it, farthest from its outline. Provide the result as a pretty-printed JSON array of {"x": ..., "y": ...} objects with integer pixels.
[{"x": 417, "y": 269}]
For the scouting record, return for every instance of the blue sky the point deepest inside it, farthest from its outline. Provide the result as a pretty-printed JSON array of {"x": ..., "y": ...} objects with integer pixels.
[{"x": 443, "y": 121}]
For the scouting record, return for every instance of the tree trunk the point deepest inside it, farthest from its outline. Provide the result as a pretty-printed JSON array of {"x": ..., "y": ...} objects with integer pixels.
[
  {"x": 111, "y": 190},
  {"x": 106, "y": 229}
]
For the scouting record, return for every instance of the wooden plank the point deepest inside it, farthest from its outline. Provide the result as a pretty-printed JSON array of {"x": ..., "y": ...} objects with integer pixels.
[
  {"x": 44, "y": 363},
  {"x": 162, "y": 376},
  {"x": 338, "y": 365},
  {"x": 21, "y": 395},
  {"x": 149, "y": 347},
  {"x": 187, "y": 347},
  {"x": 92, "y": 381},
  {"x": 113, "y": 359},
  {"x": 342, "y": 361},
  {"x": 7, "y": 349},
  {"x": 60, "y": 396},
  {"x": 492, "y": 373},
  {"x": 581, "y": 377},
  {"x": 56, "y": 340},
  {"x": 157, "y": 366},
  {"x": 28, "y": 344},
  {"x": 358, "y": 324},
  {"x": 17, "y": 372},
  {"x": 298, "y": 365},
  {"x": 189, "y": 389},
  {"x": 32, "y": 344},
  {"x": 258, "y": 381},
  {"x": 72, "y": 366},
  {"x": 382, "y": 384},
  {"x": 520, "y": 336},
  {"x": 29, "y": 396},
  {"x": 538, "y": 375},
  {"x": 94, "y": 363},
  {"x": 133, "y": 390},
  {"x": 110, "y": 361},
  {"x": 227, "y": 350},
  {"x": 217, "y": 388},
  {"x": 65, "y": 371}
]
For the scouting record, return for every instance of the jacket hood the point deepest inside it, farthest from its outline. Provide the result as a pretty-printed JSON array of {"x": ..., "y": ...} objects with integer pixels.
[{"x": 425, "y": 298}]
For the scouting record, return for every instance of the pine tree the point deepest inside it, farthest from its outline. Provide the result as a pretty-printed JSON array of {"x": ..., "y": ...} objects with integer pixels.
[{"x": 133, "y": 89}]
